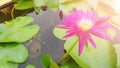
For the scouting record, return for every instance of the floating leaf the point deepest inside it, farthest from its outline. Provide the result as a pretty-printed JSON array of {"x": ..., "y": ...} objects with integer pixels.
[
  {"x": 59, "y": 33},
  {"x": 102, "y": 57},
  {"x": 30, "y": 66},
  {"x": 18, "y": 30},
  {"x": 5, "y": 64},
  {"x": 51, "y": 3},
  {"x": 25, "y": 5},
  {"x": 69, "y": 63},
  {"x": 38, "y": 4},
  {"x": 67, "y": 5},
  {"x": 47, "y": 62},
  {"x": 11, "y": 54},
  {"x": 18, "y": 1}
]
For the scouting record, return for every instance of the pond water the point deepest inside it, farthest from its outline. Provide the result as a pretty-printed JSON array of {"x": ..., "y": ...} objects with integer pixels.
[{"x": 45, "y": 42}]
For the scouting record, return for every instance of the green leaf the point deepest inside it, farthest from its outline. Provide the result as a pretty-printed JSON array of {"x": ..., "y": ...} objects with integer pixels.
[
  {"x": 5, "y": 64},
  {"x": 59, "y": 33},
  {"x": 68, "y": 5},
  {"x": 38, "y": 4},
  {"x": 25, "y": 5},
  {"x": 102, "y": 57},
  {"x": 18, "y": 30},
  {"x": 11, "y": 54},
  {"x": 30, "y": 66},
  {"x": 18, "y": 1},
  {"x": 53, "y": 4},
  {"x": 69, "y": 63},
  {"x": 47, "y": 62}
]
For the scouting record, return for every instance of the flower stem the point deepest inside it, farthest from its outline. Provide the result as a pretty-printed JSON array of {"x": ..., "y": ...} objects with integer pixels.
[
  {"x": 12, "y": 11},
  {"x": 87, "y": 43},
  {"x": 67, "y": 53}
]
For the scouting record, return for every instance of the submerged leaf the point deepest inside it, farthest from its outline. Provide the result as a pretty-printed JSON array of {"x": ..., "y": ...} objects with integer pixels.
[
  {"x": 11, "y": 54},
  {"x": 102, "y": 57},
  {"x": 18, "y": 30}
]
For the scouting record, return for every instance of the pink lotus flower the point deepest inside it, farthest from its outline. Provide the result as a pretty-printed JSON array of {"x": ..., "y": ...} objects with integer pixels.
[{"x": 85, "y": 24}]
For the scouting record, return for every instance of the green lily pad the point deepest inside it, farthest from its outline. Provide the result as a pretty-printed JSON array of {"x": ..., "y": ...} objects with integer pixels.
[
  {"x": 25, "y": 5},
  {"x": 59, "y": 33},
  {"x": 18, "y": 1},
  {"x": 52, "y": 4},
  {"x": 103, "y": 56},
  {"x": 38, "y": 4},
  {"x": 18, "y": 30},
  {"x": 69, "y": 63},
  {"x": 68, "y": 5},
  {"x": 5, "y": 64},
  {"x": 47, "y": 62},
  {"x": 11, "y": 54}
]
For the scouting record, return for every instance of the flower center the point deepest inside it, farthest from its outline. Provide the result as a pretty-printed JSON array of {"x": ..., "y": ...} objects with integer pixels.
[{"x": 85, "y": 24}]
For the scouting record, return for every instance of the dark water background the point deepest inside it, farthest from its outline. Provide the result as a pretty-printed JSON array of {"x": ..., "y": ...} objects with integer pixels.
[{"x": 44, "y": 42}]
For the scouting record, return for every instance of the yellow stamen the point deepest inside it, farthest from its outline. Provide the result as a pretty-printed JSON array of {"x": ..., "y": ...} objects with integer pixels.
[{"x": 85, "y": 24}]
